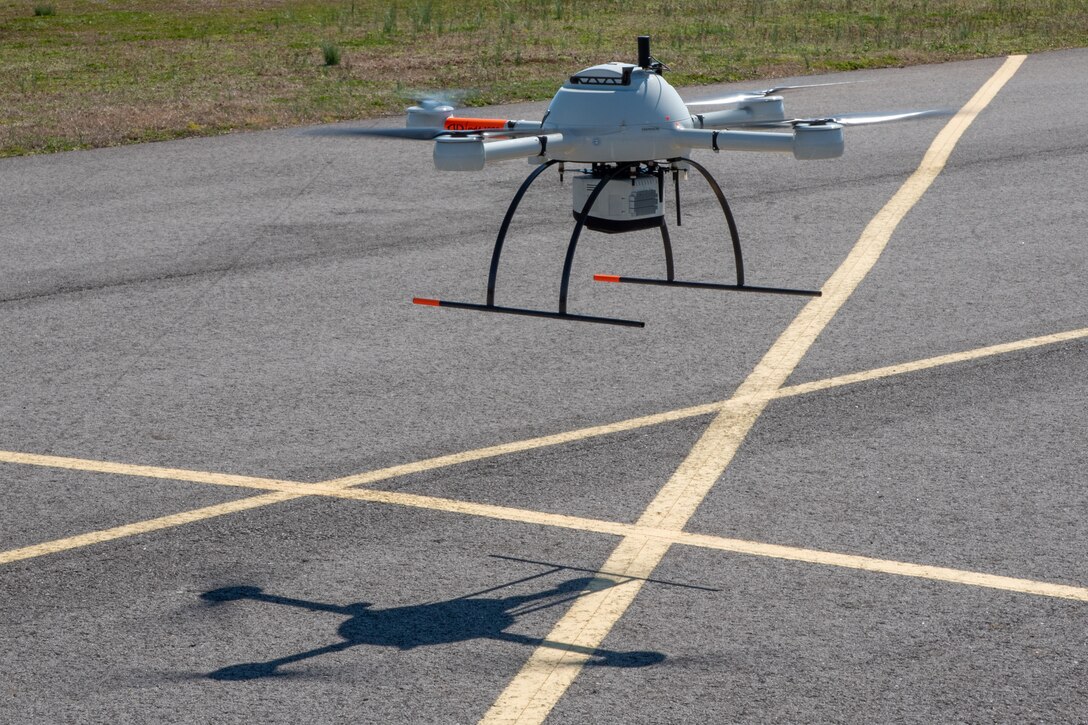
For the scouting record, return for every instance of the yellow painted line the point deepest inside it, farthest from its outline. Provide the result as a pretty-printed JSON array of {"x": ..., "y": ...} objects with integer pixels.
[
  {"x": 932, "y": 362},
  {"x": 627, "y": 561},
  {"x": 143, "y": 527},
  {"x": 555, "y": 439},
  {"x": 537, "y": 687},
  {"x": 671, "y": 416},
  {"x": 885, "y": 566},
  {"x": 290, "y": 490},
  {"x": 327, "y": 489},
  {"x": 128, "y": 469},
  {"x": 491, "y": 511},
  {"x": 549, "y": 670},
  {"x": 526, "y": 445}
]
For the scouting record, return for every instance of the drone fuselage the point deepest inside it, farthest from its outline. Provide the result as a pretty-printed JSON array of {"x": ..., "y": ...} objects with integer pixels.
[{"x": 617, "y": 112}]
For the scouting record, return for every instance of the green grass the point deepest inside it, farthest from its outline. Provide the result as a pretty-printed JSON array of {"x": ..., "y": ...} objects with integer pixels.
[
  {"x": 331, "y": 53},
  {"x": 95, "y": 73}
]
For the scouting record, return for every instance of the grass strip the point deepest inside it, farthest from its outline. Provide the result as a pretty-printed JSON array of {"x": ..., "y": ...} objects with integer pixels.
[{"x": 88, "y": 73}]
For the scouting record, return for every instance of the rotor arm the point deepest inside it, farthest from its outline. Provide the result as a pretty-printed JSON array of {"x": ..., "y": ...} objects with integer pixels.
[
  {"x": 456, "y": 123},
  {"x": 806, "y": 142},
  {"x": 471, "y": 153},
  {"x": 517, "y": 148},
  {"x": 735, "y": 140}
]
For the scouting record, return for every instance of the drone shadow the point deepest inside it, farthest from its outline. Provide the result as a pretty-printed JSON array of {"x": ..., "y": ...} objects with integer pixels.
[{"x": 455, "y": 620}]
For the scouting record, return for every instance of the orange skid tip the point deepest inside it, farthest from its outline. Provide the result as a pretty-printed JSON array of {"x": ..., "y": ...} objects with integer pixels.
[
  {"x": 606, "y": 278},
  {"x": 425, "y": 301},
  {"x": 454, "y": 123}
]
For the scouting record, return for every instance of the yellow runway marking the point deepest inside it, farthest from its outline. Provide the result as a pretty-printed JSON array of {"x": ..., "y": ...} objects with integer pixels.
[
  {"x": 128, "y": 469},
  {"x": 535, "y": 690},
  {"x": 429, "y": 464},
  {"x": 634, "y": 532},
  {"x": 336, "y": 487},
  {"x": 931, "y": 362},
  {"x": 143, "y": 527},
  {"x": 886, "y": 566},
  {"x": 527, "y": 445},
  {"x": 286, "y": 491}
]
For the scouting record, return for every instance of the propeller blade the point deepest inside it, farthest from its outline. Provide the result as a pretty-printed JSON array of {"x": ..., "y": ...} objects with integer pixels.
[
  {"x": 419, "y": 134},
  {"x": 454, "y": 97},
  {"x": 742, "y": 96},
  {"x": 424, "y": 134},
  {"x": 850, "y": 119},
  {"x": 864, "y": 119}
]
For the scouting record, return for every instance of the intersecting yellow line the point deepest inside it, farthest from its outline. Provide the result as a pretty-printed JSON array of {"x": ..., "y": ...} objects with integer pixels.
[
  {"x": 289, "y": 490},
  {"x": 548, "y": 673},
  {"x": 143, "y": 527},
  {"x": 428, "y": 464},
  {"x": 695, "y": 411},
  {"x": 286, "y": 491}
]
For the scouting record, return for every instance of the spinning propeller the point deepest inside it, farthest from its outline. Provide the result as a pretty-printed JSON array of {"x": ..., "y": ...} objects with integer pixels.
[
  {"x": 743, "y": 96},
  {"x": 851, "y": 119}
]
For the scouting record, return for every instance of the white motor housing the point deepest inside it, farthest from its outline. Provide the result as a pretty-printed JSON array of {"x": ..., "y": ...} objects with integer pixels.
[
  {"x": 817, "y": 141},
  {"x": 454, "y": 153},
  {"x": 429, "y": 114},
  {"x": 625, "y": 205}
]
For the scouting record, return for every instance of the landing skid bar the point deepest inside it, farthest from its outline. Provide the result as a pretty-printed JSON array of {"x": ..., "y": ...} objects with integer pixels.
[
  {"x": 707, "y": 285},
  {"x": 529, "y": 313}
]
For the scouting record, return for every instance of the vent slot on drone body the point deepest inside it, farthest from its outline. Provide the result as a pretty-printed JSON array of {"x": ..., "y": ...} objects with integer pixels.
[
  {"x": 602, "y": 76},
  {"x": 624, "y": 205}
]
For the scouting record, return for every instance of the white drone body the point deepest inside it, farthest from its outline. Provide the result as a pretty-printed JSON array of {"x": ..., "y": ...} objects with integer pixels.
[
  {"x": 631, "y": 128},
  {"x": 618, "y": 112}
]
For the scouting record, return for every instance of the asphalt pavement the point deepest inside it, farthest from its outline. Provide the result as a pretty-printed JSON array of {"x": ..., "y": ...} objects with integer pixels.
[{"x": 245, "y": 479}]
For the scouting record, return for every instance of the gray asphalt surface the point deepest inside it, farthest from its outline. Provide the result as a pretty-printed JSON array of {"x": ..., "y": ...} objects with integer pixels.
[{"x": 242, "y": 305}]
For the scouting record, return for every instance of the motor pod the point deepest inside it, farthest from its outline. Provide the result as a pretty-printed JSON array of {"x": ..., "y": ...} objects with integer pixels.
[
  {"x": 453, "y": 153},
  {"x": 429, "y": 114},
  {"x": 822, "y": 140}
]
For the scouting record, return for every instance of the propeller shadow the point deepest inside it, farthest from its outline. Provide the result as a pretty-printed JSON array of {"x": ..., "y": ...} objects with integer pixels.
[{"x": 469, "y": 617}]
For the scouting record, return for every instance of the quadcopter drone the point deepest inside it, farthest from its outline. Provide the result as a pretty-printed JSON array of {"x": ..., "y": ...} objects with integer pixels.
[{"x": 631, "y": 128}]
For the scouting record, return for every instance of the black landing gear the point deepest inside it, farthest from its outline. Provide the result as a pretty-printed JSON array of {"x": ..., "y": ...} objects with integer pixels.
[{"x": 608, "y": 174}]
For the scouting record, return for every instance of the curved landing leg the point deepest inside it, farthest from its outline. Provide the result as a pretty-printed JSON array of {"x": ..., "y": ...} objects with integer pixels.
[
  {"x": 501, "y": 238},
  {"x": 733, "y": 233},
  {"x": 669, "y": 272},
  {"x": 569, "y": 261},
  {"x": 562, "y": 314}
]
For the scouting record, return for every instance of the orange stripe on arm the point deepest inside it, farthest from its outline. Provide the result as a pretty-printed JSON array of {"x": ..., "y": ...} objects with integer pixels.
[{"x": 453, "y": 123}]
